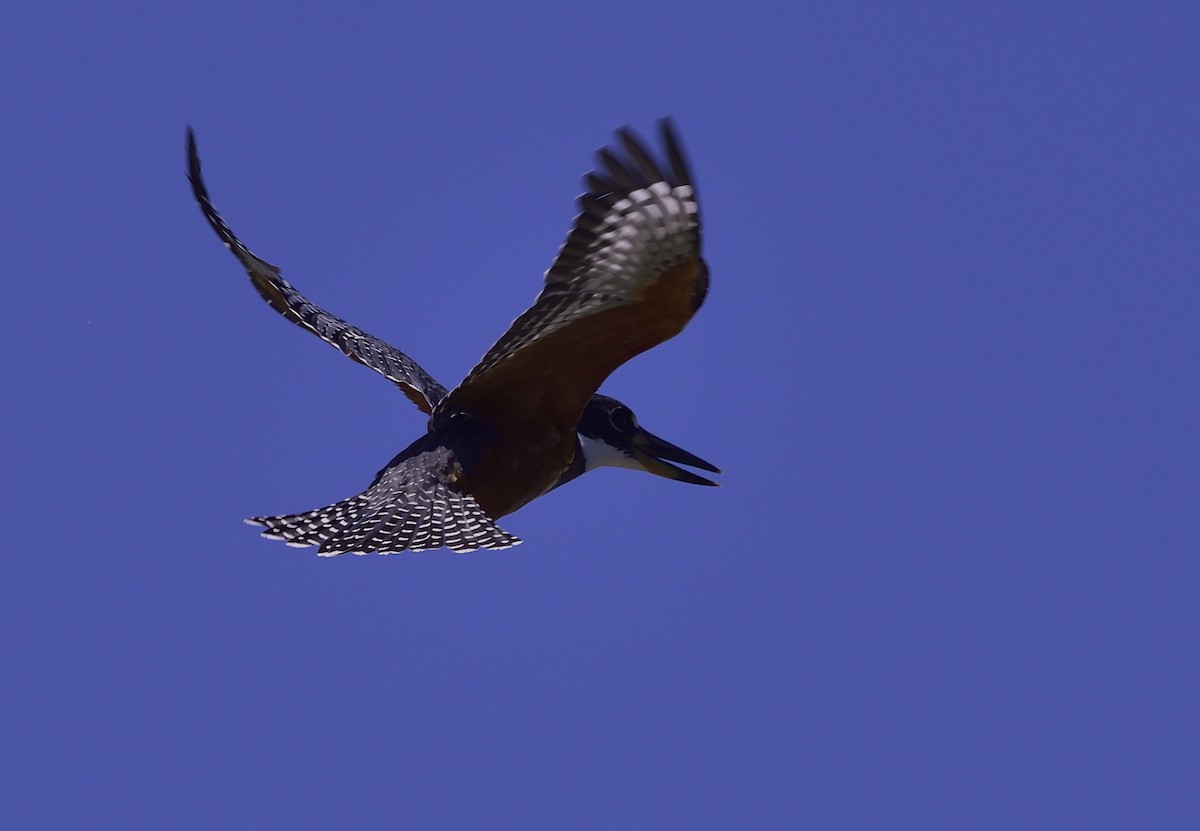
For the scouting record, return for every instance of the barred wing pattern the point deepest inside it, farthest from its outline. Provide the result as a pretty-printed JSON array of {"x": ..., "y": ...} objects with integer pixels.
[
  {"x": 414, "y": 504},
  {"x": 628, "y": 277},
  {"x": 368, "y": 350}
]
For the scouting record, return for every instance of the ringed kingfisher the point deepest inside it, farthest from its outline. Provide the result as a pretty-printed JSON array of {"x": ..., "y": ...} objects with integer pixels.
[{"x": 528, "y": 417}]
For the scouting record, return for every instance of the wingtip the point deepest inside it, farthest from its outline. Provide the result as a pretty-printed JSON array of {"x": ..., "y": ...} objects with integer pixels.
[
  {"x": 193, "y": 169},
  {"x": 675, "y": 154},
  {"x": 613, "y": 167}
]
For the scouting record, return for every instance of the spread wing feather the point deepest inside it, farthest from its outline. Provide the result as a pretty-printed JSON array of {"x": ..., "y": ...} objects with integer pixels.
[
  {"x": 366, "y": 349},
  {"x": 414, "y": 504},
  {"x": 628, "y": 277}
]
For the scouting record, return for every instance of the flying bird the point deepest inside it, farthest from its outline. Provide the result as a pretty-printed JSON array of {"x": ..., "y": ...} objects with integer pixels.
[{"x": 528, "y": 417}]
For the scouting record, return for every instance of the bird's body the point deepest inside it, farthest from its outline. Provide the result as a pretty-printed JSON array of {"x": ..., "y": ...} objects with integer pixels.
[{"x": 527, "y": 418}]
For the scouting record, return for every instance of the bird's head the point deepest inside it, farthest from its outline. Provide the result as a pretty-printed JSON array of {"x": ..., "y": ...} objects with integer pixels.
[{"x": 611, "y": 436}]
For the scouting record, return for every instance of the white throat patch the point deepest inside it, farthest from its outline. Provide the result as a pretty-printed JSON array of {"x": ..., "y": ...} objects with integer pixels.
[{"x": 597, "y": 453}]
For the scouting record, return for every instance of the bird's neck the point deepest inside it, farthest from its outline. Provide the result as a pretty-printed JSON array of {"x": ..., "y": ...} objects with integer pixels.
[{"x": 577, "y": 467}]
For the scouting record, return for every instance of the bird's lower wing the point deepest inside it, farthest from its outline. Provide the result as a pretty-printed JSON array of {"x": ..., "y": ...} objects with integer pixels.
[
  {"x": 415, "y": 504},
  {"x": 366, "y": 349},
  {"x": 629, "y": 277}
]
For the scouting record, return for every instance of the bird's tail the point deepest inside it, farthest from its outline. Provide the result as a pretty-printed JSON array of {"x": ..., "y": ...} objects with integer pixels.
[{"x": 413, "y": 505}]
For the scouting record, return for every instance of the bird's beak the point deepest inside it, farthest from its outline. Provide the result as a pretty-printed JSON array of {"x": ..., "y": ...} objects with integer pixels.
[{"x": 655, "y": 454}]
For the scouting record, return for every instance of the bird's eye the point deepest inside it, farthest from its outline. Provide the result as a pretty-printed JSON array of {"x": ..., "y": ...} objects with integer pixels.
[{"x": 622, "y": 419}]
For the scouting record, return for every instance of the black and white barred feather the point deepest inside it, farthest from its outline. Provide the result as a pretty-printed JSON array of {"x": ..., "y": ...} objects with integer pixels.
[{"x": 414, "y": 504}]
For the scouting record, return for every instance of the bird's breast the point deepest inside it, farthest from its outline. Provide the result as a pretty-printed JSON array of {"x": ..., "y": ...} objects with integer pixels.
[{"x": 515, "y": 468}]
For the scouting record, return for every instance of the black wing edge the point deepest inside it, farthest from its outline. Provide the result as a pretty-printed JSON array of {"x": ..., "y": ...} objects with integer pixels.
[
  {"x": 420, "y": 387},
  {"x": 638, "y": 167}
]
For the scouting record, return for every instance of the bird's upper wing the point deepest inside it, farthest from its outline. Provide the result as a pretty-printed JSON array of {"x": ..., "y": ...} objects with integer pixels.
[
  {"x": 368, "y": 350},
  {"x": 629, "y": 277}
]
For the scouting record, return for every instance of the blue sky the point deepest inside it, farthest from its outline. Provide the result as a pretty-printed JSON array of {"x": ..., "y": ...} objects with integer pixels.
[{"x": 948, "y": 363}]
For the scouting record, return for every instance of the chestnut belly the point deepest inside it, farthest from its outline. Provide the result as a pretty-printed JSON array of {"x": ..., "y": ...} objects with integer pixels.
[{"x": 508, "y": 474}]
